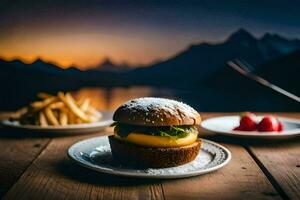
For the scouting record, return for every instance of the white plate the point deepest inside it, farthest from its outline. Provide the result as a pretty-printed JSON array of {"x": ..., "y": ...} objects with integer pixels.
[
  {"x": 225, "y": 125},
  {"x": 105, "y": 121},
  {"x": 95, "y": 154}
]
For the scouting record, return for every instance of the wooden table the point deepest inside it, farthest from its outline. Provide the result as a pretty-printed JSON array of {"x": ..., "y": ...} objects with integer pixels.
[{"x": 37, "y": 167}]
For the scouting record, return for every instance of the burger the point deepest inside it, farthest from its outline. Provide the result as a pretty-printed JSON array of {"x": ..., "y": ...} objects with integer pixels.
[{"x": 155, "y": 133}]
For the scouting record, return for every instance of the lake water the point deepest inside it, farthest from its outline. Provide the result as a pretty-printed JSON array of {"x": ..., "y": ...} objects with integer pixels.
[
  {"x": 112, "y": 98},
  {"x": 202, "y": 99}
]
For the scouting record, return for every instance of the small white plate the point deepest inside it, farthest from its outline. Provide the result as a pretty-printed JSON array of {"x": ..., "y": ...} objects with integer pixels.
[
  {"x": 225, "y": 125},
  {"x": 105, "y": 121},
  {"x": 95, "y": 154}
]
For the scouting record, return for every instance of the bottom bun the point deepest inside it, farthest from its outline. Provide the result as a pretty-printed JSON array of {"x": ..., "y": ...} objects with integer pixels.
[{"x": 149, "y": 157}]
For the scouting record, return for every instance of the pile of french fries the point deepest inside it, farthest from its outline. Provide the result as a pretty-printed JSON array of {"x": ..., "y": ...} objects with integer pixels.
[{"x": 60, "y": 110}]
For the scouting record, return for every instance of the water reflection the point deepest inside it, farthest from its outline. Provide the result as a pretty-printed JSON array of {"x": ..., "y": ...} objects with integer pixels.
[
  {"x": 201, "y": 98},
  {"x": 112, "y": 98}
]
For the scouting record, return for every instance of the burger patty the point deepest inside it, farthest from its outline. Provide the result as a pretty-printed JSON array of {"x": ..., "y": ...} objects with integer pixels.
[{"x": 138, "y": 156}]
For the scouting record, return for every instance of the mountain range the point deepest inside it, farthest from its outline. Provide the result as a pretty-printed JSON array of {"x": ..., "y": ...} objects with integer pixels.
[
  {"x": 108, "y": 66},
  {"x": 200, "y": 61},
  {"x": 272, "y": 56}
]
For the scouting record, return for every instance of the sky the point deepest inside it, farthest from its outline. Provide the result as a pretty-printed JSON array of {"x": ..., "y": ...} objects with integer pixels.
[{"x": 85, "y": 32}]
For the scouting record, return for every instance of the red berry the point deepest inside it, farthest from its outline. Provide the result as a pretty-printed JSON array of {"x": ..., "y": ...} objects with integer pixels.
[
  {"x": 247, "y": 122},
  {"x": 238, "y": 128},
  {"x": 268, "y": 124},
  {"x": 280, "y": 126}
]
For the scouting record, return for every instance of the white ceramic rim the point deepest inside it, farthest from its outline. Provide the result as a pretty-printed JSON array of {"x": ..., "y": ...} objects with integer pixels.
[
  {"x": 72, "y": 149},
  {"x": 286, "y": 133},
  {"x": 102, "y": 123}
]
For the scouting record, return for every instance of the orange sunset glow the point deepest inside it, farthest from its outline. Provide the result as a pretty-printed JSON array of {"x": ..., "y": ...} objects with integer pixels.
[
  {"x": 85, "y": 37},
  {"x": 84, "y": 50},
  {"x": 79, "y": 50}
]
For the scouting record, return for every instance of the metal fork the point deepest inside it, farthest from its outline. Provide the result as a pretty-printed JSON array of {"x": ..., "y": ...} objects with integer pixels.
[{"x": 243, "y": 68}]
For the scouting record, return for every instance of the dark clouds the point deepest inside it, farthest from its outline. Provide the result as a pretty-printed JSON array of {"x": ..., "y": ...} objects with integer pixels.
[{"x": 157, "y": 14}]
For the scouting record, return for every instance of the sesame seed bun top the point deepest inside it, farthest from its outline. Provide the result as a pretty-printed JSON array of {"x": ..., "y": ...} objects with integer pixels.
[{"x": 150, "y": 111}]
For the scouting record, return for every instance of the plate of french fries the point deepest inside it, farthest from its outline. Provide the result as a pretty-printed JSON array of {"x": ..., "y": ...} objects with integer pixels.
[{"x": 60, "y": 113}]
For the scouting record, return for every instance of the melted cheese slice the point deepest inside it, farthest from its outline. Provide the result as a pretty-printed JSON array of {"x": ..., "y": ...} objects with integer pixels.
[{"x": 158, "y": 141}]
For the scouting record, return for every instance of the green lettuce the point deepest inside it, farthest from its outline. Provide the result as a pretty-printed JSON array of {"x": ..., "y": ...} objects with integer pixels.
[{"x": 173, "y": 132}]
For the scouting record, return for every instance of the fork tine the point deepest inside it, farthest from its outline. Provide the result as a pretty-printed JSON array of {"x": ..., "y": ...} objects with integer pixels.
[{"x": 241, "y": 68}]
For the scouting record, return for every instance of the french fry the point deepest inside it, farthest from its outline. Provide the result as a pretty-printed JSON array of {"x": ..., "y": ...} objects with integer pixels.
[
  {"x": 51, "y": 117},
  {"x": 63, "y": 118},
  {"x": 94, "y": 112},
  {"x": 43, "y": 95},
  {"x": 19, "y": 113},
  {"x": 57, "y": 105},
  {"x": 42, "y": 119},
  {"x": 22, "y": 111},
  {"x": 39, "y": 105},
  {"x": 85, "y": 105},
  {"x": 69, "y": 101},
  {"x": 93, "y": 118},
  {"x": 62, "y": 109}
]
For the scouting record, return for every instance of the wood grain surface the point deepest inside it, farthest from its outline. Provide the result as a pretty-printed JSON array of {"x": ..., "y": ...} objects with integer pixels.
[
  {"x": 280, "y": 160},
  {"x": 17, "y": 153},
  {"x": 281, "y": 164},
  {"x": 54, "y": 176},
  {"x": 240, "y": 179}
]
